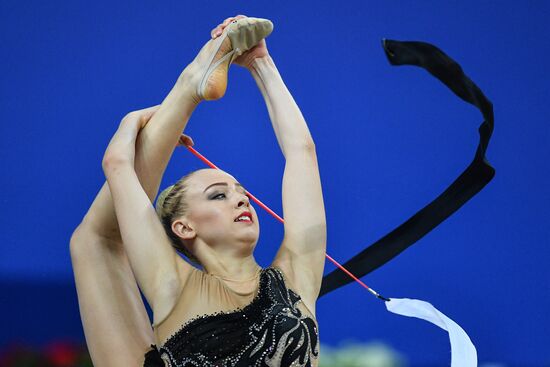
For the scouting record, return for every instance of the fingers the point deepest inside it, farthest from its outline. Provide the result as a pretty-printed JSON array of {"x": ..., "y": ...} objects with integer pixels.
[
  {"x": 227, "y": 21},
  {"x": 140, "y": 116},
  {"x": 219, "y": 29},
  {"x": 185, "y": 140},
  {"x": 147, "y": 113},
  {"x": 216, "y": 32},
  {"x": 149, "y": 109}
]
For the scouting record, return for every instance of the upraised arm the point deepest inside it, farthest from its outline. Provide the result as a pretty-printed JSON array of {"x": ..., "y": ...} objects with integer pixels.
[
  {"x": 302, "y": 253},
  {"x": 154, "y": 262}
]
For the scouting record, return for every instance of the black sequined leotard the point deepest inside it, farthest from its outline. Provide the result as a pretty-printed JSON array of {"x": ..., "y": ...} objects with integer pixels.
[{"x": 271, "y": 330}]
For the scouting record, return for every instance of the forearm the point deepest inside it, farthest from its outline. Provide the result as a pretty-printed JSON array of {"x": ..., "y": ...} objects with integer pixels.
[
  {"x": 153, "y": 148},
  {"x": 101, "y": 217},
  {"x": 287, "y": 119},
  {"x": 122, "y": 147},
  {"x": 151, "y": 257}
]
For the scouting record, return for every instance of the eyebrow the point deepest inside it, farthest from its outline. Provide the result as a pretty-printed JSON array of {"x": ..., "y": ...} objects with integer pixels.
[{"x": 224, "y": 184}]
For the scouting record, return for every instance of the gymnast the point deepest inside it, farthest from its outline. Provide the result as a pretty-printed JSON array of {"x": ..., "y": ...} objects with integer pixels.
[{"x": 216, "y": 306}]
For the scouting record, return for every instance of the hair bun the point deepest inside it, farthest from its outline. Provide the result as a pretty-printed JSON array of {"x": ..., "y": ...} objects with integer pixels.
[{"x": 161, "y": 198}]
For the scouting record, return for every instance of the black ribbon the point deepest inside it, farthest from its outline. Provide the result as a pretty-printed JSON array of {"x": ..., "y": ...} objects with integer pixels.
[{"x": 468, "y": 184}]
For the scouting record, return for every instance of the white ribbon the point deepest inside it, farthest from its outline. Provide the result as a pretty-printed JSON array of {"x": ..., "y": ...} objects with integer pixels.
[{"x": 463, "y": 352}]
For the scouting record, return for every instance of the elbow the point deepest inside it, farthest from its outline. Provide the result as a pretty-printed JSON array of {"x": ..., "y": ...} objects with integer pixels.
[
  {"x": 113, "y": 161},
  {"x": 307, "y": 146}
]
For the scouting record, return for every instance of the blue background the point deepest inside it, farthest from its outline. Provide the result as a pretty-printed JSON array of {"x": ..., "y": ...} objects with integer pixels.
[{"x": 389, "y": 140}]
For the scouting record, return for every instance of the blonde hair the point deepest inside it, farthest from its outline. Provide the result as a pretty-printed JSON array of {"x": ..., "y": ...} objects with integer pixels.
[{"x": 170, "y": 205}]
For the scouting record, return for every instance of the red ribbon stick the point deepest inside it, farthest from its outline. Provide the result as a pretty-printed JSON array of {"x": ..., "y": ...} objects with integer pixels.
[{"x": 276, "y": 216}]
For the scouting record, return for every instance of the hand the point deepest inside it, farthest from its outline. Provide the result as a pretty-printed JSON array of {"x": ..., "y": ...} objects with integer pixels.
[
  {"x": 185, "y": 140},
  {"x": 121, "y": 149},
  {"x": 140, "y": 117},
  {"x": 247, "y": 58}
]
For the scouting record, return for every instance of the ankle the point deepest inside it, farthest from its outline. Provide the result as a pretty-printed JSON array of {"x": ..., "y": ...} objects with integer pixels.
[{"x": 186, "y": 88}]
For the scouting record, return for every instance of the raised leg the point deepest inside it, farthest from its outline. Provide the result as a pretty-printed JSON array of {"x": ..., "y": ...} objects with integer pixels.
[
  {"x": 116, "y": 325},
  {"x": 117, "y": 328}
]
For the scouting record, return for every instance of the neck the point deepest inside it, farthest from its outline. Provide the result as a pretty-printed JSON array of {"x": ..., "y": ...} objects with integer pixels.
[{"x": 231, "y": 267}]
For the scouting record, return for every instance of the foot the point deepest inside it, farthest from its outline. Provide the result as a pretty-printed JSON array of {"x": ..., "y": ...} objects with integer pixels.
[
  {"x": 247, "y": 58},
  {"x": 216, "y": 83},
  {"x": 208, "y": 74}
]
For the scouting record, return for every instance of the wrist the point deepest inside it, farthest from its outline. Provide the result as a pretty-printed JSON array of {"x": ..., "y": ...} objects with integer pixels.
[{"x": 260, "y": 64}]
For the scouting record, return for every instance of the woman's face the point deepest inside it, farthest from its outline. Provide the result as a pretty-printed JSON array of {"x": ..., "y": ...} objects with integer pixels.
[{"x": 219, "y": 211}]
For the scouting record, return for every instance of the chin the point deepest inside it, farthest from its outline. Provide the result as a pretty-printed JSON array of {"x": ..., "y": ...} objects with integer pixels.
[{"x": 252, "y": 239}]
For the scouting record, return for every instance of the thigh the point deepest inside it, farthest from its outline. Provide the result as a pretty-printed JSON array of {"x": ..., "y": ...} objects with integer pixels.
[{"x": 117, "y": 327}]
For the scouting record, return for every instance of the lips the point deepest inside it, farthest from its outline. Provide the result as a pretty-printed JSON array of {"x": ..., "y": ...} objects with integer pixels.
[{"x": 248, "y": 218}]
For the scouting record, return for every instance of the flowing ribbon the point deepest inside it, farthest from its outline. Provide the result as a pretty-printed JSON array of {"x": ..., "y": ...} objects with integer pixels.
[
  {"x": 463, "y": 352},
  {"x": 468, "y": 184},
  {"x": 478, "y": 174}
]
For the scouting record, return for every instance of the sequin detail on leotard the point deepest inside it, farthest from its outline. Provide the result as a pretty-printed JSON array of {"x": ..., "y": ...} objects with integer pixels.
[{"x": 270, "y": 331}]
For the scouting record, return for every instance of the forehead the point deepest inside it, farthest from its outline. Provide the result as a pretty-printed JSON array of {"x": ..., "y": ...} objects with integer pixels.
[{"x": 203, "y": 178}]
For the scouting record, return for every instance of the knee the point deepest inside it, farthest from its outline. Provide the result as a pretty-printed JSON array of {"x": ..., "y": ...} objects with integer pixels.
[
  {"x": 85, "y": 243},
  {"x": 79, "y": 239}
]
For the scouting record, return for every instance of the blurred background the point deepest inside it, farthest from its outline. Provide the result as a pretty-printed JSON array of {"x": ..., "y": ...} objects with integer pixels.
[{"x": 389, "y": 140}]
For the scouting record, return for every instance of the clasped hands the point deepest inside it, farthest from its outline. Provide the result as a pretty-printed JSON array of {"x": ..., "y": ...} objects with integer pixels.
[{"x": 142, "y": 117}]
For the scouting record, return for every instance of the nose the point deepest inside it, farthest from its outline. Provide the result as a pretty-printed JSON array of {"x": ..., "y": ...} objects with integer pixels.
[{"x": 243, "y": 201}]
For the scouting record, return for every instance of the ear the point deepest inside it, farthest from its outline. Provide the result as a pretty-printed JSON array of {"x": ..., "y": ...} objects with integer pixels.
[{"x": 183, "y": 229}]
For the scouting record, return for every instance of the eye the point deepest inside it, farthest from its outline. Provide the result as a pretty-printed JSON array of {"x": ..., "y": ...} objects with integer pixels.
[{"x": 217, "y": 196}]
